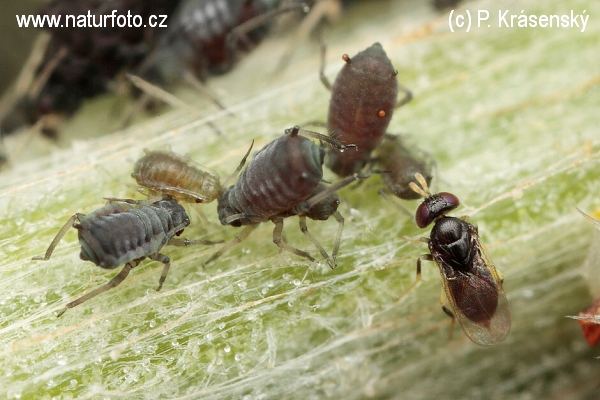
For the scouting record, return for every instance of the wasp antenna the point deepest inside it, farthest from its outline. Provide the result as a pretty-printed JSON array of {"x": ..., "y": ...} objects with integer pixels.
[{"x": 424, "y": 189}]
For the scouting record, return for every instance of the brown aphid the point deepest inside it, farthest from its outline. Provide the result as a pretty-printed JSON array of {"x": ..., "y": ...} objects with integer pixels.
[
  {"x": 363, "y": 98},
  {"x": 165, "y": 172},
  {"x": 401, "y": 163},
  {"x": 470, "y": 280}
]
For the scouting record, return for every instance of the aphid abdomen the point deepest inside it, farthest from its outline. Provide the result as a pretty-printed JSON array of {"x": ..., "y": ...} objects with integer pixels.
[
  {"x": 168, "y": 173},
  {"x": 204, "y": 25},
  {"x": 401, "y": 166},
  {"x": 119, "y": 233},
  {"x": 363, "y": 98},
  {"x": 281, "y": 175}
]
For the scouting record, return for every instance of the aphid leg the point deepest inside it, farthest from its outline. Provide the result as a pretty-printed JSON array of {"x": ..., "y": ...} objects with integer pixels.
[
  {"x": 336, "y": 245},
  {"x": 384, "y": 193},
  {"x": 183, "y": 242},
  {"x": 231, "y": 177},
  {"x": 238, "y": 239},
  {"x": 448, "y": 313},
  {"x": 147, "y": 202},
  {"x": 427, "y": 257},
  {"x": 239, "y": 32},
  {"x": 59, "y": 236},
  {"x": 166, "y": 97},
  {"x": 322, "y": 76},
  {"x": 199, "y": 86},
  {"x": 167, "y": 264},
  {"x": 407, "y": 96},
  {"x": 295, "y": 130},
  {"x": 321, "y": 9},
  {"x": 334, "y": 188},
  {"x": 277, "y": 240},
  {"x": 111, "y": 284},
  {"x": 304, "y": 229}
]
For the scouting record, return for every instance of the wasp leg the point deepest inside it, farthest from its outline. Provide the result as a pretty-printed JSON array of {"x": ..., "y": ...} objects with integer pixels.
[
  {"x": 448, "y": 313},
  {"x": 427, "y": 257}
]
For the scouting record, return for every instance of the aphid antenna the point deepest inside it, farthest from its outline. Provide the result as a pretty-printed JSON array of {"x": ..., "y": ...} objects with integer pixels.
[
  {"x": 407, "y": 94},
  {"x": 322, "y": 75},
  {"x": 166, "y": 97},
  {"x": 148, "y": 201},
  {"x": 241, "y": 30},
  {"x": 384, "y": 193},
  {"x": 294, "y": 131},
  {"x": 231, "y": 177},
  {"x": 337, "y": 186},
  {"x": 235, "y": 217},
  {"x": 424, "y": 189},
  {"x": 594, "y": 222},
  {"x": 199, "y": 86},
  {"x": 319, "y": 10}
]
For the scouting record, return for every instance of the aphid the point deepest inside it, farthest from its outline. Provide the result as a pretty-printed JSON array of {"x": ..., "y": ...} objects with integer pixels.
[
  {"x": 470, "y": 280},
  {"x": 363, "y": 99},
  {"x": 282, "y": 180},
  {"x": 590, "y": 322},
  {"x": 81, "y": 63},
  {"x": 126, "y": 231},
  {"x": 164, "y": 172},
  {"x": 590, "y": 317},
  {"x": 205, "y": 37},
  {"x": 401, "y": 164}
]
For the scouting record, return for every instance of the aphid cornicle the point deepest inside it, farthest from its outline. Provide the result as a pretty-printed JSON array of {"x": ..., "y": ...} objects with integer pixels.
[
  {"x": 126, "y": 231},
  {"x": 470, "y": 280},
  {"x": 401, "y": 164},
  {"x": 283, "y": 180},
  {"x": 164, "y": 172},
  {"x": 363, "y": 98}
]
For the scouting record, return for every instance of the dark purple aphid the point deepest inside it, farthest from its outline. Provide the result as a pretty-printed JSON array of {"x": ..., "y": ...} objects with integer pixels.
[
  {"x": 206, "y": 36},
  {"x": 126, "y": 232},
  {"x": 401, "y": 164},
  {"x": 282, "y": 180},
  {"x": 164, "y": 172},
  {"x": 442, "y": 5},
  {"x": 363, "y": 98},
  {"x": 81, "y": 62},
  {"x": 470, "y": 280}
]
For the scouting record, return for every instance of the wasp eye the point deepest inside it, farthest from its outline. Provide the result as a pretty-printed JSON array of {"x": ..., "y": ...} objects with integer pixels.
[{"x": 435, "y": 206}]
